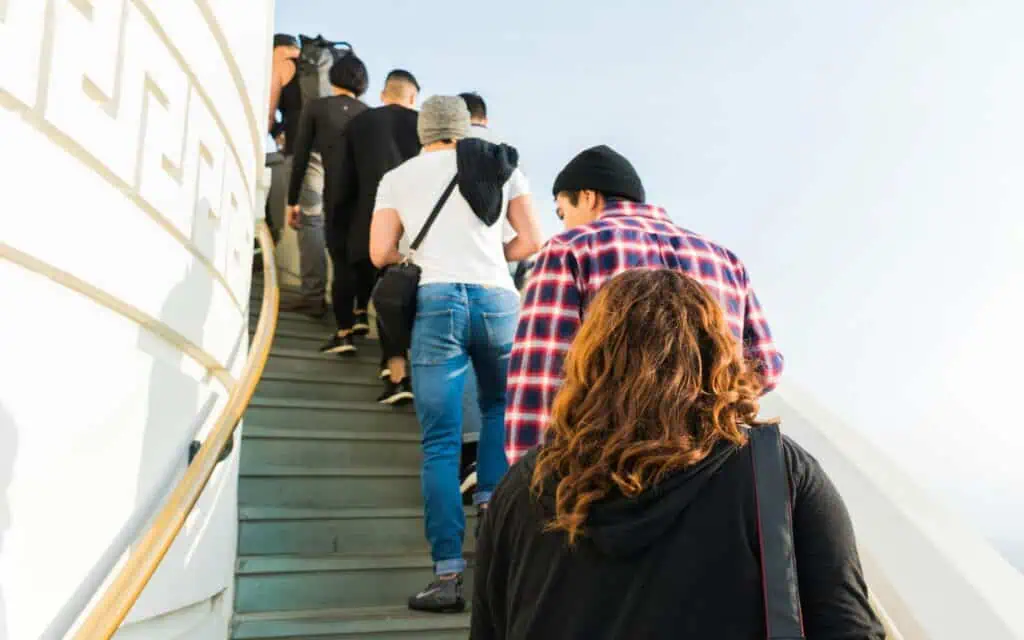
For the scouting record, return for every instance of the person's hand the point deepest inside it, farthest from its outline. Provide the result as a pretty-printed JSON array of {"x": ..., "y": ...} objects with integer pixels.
[
  {"x": 294, "y": 217},
  {"x": 280, "y": 140}
]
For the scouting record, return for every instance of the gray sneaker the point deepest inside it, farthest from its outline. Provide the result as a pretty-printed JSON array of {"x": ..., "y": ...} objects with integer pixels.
[{"x": 440, "y": 596}]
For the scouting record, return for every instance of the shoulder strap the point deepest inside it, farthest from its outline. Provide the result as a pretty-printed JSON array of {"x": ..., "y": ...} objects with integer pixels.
[
  {"x": 433, "y": 214},
  {"x": 775, "y": 535}
]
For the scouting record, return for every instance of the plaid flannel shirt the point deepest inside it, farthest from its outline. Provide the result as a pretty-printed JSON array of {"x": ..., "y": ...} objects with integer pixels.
[{"x": 570, "y": 269}]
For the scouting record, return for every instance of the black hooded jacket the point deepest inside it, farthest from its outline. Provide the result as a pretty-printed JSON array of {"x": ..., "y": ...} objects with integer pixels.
[
  {"x": 483, "y": 170},
  {"x": 678, "y": 562}
]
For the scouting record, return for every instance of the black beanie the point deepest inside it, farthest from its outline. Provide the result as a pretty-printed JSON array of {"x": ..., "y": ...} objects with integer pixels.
[{"x": 604, "y": 170}]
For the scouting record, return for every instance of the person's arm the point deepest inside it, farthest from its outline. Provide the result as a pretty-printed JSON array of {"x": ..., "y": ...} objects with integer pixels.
[
  {"x": 385, "y": 232},
  {"x": 551, "y": 314},
  {"x": 302, "y": 147},
  {"x": 523, "y": 220},
  {"x": 280, "y": 75},
  {"x": 758, "y": 346},
  {"x": 385, "y": 226},
  {"x": 275, "y": 98},
  {"x": 833, "y": 593}
]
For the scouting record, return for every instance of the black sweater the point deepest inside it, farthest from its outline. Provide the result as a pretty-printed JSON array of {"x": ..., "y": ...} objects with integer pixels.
[
  {"x": 680, "y": 561},
  {"x": 375, "y": 142},
  {"x": 321, "y": 125}
]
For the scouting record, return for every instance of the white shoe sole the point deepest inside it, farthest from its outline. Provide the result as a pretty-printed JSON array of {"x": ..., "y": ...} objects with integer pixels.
[
  {"x": 345, "y": 348},
  {"x": 384, "y": 373},
  {"x": 398, "y": 397},
  {"x": 468, "y": 483}
]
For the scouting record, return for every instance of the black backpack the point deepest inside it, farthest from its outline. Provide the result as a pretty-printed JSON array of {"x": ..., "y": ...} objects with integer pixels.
[{"x": 314, "y": 64}]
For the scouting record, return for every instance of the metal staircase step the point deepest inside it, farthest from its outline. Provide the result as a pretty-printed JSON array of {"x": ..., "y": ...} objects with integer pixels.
[
  {"x": 262, "y": 446},
  {"x": 372, "y": 623},
  {"x": 313, "y": 363},
  {"x": 300, "y": 339},
  {"x": 289, "y": 321},
  {"x": 312, "y": 386},
  {"x": 310, "y": 339},
  {"x": 285, "y": 486},
  {"x": 284, "y": 530},
  {"x": 303, "y": 582},
  {"x": 324, "y": 414}
]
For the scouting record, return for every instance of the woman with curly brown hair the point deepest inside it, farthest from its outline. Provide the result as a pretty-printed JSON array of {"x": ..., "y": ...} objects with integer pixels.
[{"x": 638, "y": 518}]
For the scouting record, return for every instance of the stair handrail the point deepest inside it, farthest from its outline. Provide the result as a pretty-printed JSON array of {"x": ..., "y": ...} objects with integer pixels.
[{"x": 124, "y": 590}]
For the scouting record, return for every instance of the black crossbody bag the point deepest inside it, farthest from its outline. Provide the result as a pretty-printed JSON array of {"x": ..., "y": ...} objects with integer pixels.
[
  {"x": 394, "y": 295},
  {"x": 783, "y": 619}
]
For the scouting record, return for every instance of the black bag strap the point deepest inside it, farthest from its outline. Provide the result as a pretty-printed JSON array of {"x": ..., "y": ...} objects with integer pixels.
[
  {"x": 783, "y": 619},
  {"x": 433, "y": 216}
]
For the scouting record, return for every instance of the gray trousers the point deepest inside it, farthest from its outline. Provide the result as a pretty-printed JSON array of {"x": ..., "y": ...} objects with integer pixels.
[{"x": 312, "y": 247}]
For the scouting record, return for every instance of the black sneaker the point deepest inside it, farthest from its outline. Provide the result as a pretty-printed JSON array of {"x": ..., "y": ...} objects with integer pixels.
[
  {"x": 338, "y": 344},
  {"x": 440, "y": 596},
  {"x": 385, "y": 372},
  {"x": 362, "y": 324},
  {"x": 396, "y": 393}
]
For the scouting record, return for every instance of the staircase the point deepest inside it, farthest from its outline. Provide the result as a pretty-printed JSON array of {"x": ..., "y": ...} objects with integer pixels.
[{"x": 330, "y": 541}]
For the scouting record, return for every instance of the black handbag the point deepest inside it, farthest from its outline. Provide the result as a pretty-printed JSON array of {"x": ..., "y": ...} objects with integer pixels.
[
  {"x": 394, "y": 295},
  {"x": 783, "y": 619}
]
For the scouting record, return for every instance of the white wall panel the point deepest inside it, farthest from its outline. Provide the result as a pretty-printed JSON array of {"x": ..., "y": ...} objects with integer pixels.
[{"x": 132, "y": 156}]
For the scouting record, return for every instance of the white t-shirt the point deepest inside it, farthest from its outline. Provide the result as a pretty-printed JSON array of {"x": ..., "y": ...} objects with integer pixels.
[
  {"x": 459, "y": 247},
  {"x": 484, "y": 133}
]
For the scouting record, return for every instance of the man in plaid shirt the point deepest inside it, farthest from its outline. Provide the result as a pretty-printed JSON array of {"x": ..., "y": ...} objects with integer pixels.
[{"x": 609, "y": 230}]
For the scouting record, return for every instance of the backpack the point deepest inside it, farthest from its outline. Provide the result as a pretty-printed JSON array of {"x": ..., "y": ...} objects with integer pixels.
[{"x": 313, "y": 65}]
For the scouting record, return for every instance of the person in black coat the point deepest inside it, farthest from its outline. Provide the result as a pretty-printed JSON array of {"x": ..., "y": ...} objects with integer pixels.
[
  {"x": 321, "y": 125},
  {"x": 638, "y": 518},
  {"x": 374, "y": 143}
]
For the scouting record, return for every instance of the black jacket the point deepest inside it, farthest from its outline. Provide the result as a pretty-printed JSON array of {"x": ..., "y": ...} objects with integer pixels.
[
  {"x": 483, "y": 169},
  {"x": 375, "y": 142},
  {"x": 680, "y": 561},
  {"x": 321, "y": 125}
]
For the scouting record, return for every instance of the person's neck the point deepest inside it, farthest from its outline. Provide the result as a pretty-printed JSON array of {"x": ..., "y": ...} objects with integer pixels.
[
  {"x": 439, "y": 146},
  {"x": 398, "y": 102},
  {"x": 338, "y": 91}
]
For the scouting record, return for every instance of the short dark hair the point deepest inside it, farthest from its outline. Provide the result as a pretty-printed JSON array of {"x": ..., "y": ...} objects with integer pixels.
[
  {"x": 574, "y": 196},
  {"x": 402, "y": 75},
  {"x": 476, "y": 105},
  {"x": 285, "y": 40},
  {"x": 350, "y": 73}
]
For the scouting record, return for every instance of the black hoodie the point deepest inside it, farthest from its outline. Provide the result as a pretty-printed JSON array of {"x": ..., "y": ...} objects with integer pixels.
[
  {"x": 483, "y": 169},
  {"x": 680, "y": 561}
]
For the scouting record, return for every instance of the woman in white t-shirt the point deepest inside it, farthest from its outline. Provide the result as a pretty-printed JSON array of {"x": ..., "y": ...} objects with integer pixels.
[{"x": 467, "y": 311}]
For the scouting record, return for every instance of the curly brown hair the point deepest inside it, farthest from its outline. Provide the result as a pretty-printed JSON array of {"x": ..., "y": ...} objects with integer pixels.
[{"x": 653, "y": 381}]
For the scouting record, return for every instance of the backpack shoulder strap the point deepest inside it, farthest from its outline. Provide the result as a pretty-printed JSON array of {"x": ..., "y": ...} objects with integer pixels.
[
  {"x": 433, "y": 215},
  {"x": 783, "y": 619}
]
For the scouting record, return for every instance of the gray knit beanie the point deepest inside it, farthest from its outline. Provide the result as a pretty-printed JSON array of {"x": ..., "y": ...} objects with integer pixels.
[{"x": 443, "y": 118}]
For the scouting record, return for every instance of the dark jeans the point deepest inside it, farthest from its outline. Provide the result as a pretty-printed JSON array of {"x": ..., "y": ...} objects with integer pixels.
[
  {"x": 353, "y": 282},
  {"x": 388, "y": 348}
]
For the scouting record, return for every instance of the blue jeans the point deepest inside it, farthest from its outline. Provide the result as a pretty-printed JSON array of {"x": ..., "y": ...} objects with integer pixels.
[{"x": 456, "y": 325}]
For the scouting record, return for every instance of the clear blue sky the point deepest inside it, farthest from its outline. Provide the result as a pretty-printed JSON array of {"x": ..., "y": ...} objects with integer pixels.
[{"x": 865, "y": 159}]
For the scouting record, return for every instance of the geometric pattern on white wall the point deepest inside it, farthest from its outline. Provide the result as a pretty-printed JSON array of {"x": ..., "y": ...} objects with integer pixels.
[{"x": 107, "y": 76}]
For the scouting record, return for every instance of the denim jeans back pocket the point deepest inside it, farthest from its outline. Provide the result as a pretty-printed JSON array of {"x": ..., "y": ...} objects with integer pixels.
[
  {"x": 501, "y": 327},
  {"x": 433, "y": 338}
]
